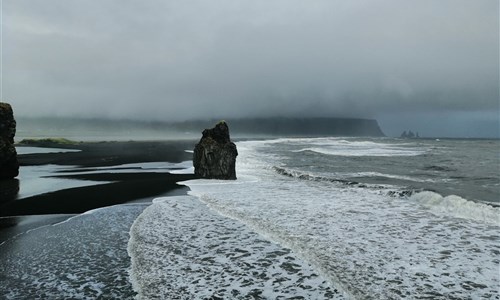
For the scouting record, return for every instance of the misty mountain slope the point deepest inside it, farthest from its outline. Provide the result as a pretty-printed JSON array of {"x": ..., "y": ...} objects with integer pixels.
[{"x": 254, "y": 126}]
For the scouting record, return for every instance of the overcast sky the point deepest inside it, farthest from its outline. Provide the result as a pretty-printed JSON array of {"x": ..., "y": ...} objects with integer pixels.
[{"x": 428, "y": 65}]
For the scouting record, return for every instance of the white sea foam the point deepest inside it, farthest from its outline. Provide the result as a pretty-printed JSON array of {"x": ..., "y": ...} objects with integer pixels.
[
  {"x": 347, "y": 147},
  {"x": 457, "y": 206},
  {"x": 362, "y": 149},
  {"x": 180, "y": 249},
  {"x": 189, "y": 170},
  {"x": 371, "y": 245},
  {"x": 378, "y": 174},
  {"x": 186, "y": 167}
]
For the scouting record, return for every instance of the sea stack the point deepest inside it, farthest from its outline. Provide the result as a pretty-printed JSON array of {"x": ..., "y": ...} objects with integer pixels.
[
  {"x": 9, "y": 166},
  {"x": 215, "y": 155}
]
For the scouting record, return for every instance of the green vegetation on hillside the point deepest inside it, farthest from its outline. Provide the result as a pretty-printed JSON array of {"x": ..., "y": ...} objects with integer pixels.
[{"x": 48, "y": 142}]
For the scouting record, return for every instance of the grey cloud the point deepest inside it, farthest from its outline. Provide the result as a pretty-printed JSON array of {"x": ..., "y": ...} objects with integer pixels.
[{"x": 189, "y": 59}]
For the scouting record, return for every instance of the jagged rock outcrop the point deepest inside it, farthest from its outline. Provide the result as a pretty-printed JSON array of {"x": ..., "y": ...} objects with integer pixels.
[
  {"x": 9, "y": 189},
  {"x": 9, "y": 166},
  {"x": 215, "y": 155}
]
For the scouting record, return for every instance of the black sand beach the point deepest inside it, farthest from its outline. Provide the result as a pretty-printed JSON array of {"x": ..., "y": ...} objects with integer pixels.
[
  {"x": 17, "y": 213},
  {"x": 92, "y": 197},
  {"x": 99, "y": 154}
]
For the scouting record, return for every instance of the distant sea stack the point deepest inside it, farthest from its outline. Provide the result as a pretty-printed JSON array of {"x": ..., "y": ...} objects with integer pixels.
[
  {"x": 214, "y": 156},
  {"x": 409, "y": 135},
  {"x": 9, "y": 166}
]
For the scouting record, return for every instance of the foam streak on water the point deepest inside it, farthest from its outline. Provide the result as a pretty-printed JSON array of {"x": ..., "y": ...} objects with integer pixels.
[
  {"x": 180, "y": 249},
  {"x": 340, "y": 147},
  {"x": 84, "y": 257},
  {"x": 370, "y": 245}
]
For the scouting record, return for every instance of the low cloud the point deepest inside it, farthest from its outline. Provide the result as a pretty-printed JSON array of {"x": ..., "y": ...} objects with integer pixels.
[{"x": 176, "y": 60}]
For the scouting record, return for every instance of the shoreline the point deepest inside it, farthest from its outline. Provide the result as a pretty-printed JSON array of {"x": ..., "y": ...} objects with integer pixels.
[
  {"x": 94, "y": 166},
  {"x": 109, "y": 153}
]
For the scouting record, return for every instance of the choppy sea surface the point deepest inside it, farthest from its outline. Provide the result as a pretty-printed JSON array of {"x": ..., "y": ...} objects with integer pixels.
[
  {"x": 375, "y": 218},
  {"x": 307, "y": 218},
  {"x": 84, "y": 257}
]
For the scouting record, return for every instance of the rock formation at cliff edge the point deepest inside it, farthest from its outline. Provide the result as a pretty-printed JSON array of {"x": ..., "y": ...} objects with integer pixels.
[
  {"x": 215, "y": 155},
  {"x": 9, "y": 166}
]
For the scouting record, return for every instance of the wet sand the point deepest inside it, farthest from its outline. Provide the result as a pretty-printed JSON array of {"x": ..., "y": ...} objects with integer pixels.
[
  {"x": 99, "y": 154},
  {"x": 107, "y": 186}
]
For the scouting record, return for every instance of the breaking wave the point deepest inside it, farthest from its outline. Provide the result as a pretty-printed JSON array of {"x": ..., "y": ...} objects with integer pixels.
[
  {"x": 458, "y": 207},
  {"x": 451, "y": 205}
]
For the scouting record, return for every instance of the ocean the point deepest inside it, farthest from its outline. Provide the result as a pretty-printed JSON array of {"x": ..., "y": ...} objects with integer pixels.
[
  {"x": 371, "y": 218},
  {"x": 307, "y": 218}
]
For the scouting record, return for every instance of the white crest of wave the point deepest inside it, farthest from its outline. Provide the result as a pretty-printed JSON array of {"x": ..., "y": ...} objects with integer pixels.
[
  {"x": 345, "y": 147},
  {"x": 369, "y": 245},
  {"x": 356, "y": 150},
  {"x": 458, "y": 207}
]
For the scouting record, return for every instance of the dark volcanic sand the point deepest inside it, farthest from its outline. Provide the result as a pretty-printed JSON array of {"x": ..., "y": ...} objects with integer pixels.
[
  {"x": 99, "y": 154},
  {"x": 125, "y": 187}
]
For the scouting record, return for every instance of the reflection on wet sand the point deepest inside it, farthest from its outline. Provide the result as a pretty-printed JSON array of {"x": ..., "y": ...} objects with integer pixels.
[{"x": 14, "y": 225}]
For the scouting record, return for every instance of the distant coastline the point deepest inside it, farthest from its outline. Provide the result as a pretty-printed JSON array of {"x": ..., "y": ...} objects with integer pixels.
[{"x": 96, "y": 129}]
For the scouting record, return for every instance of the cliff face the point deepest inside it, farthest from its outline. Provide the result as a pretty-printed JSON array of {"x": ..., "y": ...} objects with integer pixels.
[
  {"x": 214, "y": 156},
  {"x": 297, "y": 126},
  {"x": 260, "y": 126},
  {"x": 311, "y": 126},
  {"x": 9, "y": 166}
]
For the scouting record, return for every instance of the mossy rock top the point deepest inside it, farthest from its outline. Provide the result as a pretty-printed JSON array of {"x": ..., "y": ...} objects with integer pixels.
[
  {"x": 48, "y": 142},
  {"x": 5, "y": 106},
  {"x": 6, "y": 111}
]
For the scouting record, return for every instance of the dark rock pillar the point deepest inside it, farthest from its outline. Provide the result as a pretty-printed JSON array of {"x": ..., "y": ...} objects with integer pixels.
[
  {"x": 9, "y": 166},
  {"x": 215, "y": 155}
]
